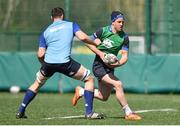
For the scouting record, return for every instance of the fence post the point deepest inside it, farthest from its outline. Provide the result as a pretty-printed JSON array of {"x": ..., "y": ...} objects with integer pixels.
[
  {"x": 18, "y": 36},
  {"x": 170, "y": 26},
  {"x": 148, "y": 25},
  {"x": 67, "y": 7}
]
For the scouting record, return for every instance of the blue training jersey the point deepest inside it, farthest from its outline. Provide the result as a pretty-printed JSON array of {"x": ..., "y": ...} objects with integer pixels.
[{"x": 57, "y": 39}]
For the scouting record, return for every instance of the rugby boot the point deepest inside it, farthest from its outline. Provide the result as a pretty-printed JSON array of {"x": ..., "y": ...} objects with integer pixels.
[
  {"x": 133, "y": 116},
  {"x": 20, "y": 115},
  {"x": 76, "y": 95},
  {"x": 95, "y": 115}
]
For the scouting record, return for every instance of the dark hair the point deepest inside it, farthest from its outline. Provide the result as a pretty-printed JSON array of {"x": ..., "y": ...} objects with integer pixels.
[
  {"x": 57, "y": 12},
  {"x": 114, "y": 14}
]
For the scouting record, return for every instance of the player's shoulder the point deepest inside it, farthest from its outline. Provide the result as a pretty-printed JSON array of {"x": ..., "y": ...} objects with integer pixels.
[
  {"x": 123, "y": 34},
  {"x": 59, "y": 24},
  {"x": 68, "y": 21},
  {"x": 108, "y": 28},
  {"x": 105, "y": 29},
  {"x": 126, "y": 35}
]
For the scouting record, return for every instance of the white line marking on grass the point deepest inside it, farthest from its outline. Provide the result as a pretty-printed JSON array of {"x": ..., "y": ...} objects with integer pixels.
[
  {"x": 65, "y": 117},
  {"x": 138, "y": 111},
  {"x": 156, "y": 110}
]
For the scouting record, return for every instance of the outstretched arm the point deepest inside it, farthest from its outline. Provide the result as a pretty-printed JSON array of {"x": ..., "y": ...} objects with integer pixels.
[
  {"x": 90, "y": 43},
  {"x": 84, "y": 37},
  {"x": 95, "y": 50}
]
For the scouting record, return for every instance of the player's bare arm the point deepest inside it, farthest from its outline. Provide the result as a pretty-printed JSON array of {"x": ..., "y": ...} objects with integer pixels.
[
  {"x": 89, "y": 43},
  {"x": 40, "y": 54},
  {"x": 96, "y": 50},
  {"x": 97, "y": 41},
  {"x": 124, "y": 57},
  {"x": 84, "y": 37}
]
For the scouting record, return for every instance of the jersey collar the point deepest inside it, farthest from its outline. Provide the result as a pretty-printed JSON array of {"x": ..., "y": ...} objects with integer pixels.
[{"x": 110, "y": 29}]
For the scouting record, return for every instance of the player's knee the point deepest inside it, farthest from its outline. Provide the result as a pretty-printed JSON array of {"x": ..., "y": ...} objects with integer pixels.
[
  {"x": 87, "y": 76},
  {"x": 102, "y": 97},
  {"x": 40, "y": 78},
  {"x": 90, "y": 78},
  {"x": 118, "y": 85}
]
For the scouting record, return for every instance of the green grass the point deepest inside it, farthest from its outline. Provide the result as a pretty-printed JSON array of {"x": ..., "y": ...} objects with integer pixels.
[{"x": 47, "y": 105}]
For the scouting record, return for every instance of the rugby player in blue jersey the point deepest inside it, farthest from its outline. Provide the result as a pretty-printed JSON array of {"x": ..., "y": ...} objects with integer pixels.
[{"x": 54, "y": 54}]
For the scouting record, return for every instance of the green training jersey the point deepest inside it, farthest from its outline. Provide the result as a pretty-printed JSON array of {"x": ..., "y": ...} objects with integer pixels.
[{"x": 112, "y": 42}]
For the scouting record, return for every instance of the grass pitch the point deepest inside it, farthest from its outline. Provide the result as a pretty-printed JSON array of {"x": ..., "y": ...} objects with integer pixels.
[{"x": 56, "y": 109}]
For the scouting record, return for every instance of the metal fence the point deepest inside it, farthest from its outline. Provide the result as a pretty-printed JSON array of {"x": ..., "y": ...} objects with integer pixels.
[{"x": 157, "y": 21}]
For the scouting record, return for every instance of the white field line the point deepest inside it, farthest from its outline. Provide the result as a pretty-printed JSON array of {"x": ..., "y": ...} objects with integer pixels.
[
  {"x": 65, "y": 117},
  {"x": 138, "y": 111},
  {"x": 156, "y": 110}
]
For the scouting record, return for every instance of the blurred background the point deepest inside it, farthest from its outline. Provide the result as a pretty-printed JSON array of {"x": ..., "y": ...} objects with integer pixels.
[{"x": 152, "y": 25}]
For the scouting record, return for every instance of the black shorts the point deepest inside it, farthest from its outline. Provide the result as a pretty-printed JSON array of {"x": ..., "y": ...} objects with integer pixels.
[
  {"x": 70, "y": 68},
  {"x": 100, "y": 69}
]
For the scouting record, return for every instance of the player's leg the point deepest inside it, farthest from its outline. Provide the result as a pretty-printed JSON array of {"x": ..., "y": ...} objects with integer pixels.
[
  {"x": 31, "y": 93},
  {"x": 104, "y": 90},
  {"x": 102, "y": 93},
  {"x": 118, "y": 86},
  {"x": 83, "y": 74}
]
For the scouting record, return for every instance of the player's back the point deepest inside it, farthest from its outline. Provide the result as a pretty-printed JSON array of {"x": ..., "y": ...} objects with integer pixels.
[{"x": 58, "y": 37}]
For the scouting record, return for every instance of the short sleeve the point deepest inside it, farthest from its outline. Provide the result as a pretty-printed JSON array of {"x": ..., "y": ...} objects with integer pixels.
[
  {"x": 76, "y": 27},
  {"x": 98, "y": 33},
  {"x": 42, "y": 41},
  {"x": 126, "y": 43}
]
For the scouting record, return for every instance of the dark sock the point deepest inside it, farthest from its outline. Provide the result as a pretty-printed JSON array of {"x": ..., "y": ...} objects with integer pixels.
[
  {"x": 29, "y": 96},
  {"x": 88, "y": 97}
]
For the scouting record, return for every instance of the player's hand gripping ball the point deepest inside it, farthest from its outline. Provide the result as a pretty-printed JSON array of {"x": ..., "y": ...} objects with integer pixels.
[{"x": 110, "y": 58}]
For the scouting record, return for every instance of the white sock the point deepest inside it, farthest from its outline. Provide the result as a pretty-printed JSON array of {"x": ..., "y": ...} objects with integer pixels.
[
  {"x": 81, "y": 92},
  {"x": 96, "y": 92},
  {"x": 127, "y": 109}
]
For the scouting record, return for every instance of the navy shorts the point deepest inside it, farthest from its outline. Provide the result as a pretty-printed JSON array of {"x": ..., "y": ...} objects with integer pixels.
[
  {"x": 69, "y": 69},
  {"x": 100, "y": 69}
]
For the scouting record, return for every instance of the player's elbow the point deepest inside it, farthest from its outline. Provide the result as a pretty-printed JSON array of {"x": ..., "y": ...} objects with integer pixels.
[
  {"x": 41, "y": 52},
  {"x": 81, "y": 36},
  {"x": 84, "y": 39},
  {"x": 40, "y": 55},
  {"x": 125, "y": 59}
]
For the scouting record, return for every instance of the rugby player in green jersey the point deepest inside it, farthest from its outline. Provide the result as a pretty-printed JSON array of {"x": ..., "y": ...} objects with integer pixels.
[{"x": 110, "y": 39}]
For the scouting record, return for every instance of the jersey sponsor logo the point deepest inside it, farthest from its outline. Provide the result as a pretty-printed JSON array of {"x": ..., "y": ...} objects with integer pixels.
[
  {"x": 107, "y": 43},
  {"x": 56, "y": 28}
]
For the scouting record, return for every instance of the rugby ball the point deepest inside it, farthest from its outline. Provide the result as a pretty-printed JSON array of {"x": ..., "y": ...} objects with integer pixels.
[
  {"x": 14, "y": 89},
  {"x": 110, "y": 58}
]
